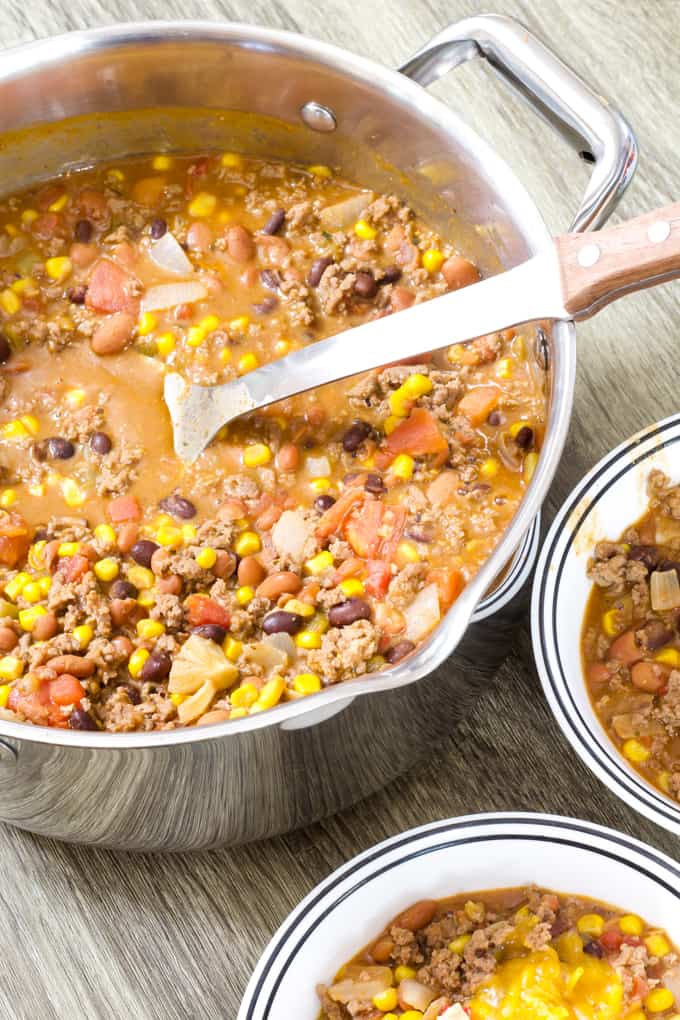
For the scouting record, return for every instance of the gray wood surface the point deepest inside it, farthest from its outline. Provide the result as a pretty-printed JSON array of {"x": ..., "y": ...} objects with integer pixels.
[{"x": 99, "y": 934}]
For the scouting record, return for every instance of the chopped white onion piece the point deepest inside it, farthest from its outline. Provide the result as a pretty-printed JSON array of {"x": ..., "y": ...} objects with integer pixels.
[
  {"x": 318, "y": 467},
  {"x": 423, "y": 613},
  {"x": 671, "y": 980},
  {"x": 361, "y": 983},
  {"x": 169, "y": 255},
  {"x": 664, "y": 590},
  {"x": 290, "y": 534},
  {"x": 415, "y": 994},
  {"x": 167, "y": 295},
  {"x": 667, "y": 530},
  {"x": 282, "y": 642},
  {"x": 267, "y": 655},
  {"x": 344, "y": 214}
]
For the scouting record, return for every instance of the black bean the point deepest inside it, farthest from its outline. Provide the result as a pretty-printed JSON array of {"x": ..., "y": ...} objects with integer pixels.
[
  {"x": 59, "y": 448},
  {"x": 121, "y": 589},
  {"x": 211, "y": 631},
  {"x": 647, "y": 554},
  {"x": 178, "y": 506},
  {"x": 156, "y": 667},
  {"x": 594, "y": 949},
  {"x": 365, "y": 285},
  {"x": 134, "y": 697},
  {"x": 77, "y": 294},
  {"x": 390, "y": 275},
  {"x": 374, "y": 484},
  {"x": 525, "y": 438},
  {"x": 495, "y": 418},
  {"x": 655, "y": 634},
  {"x": 275, "y": 222},
  {"x": 280, "y": 621},
  {"x": 5, "y": 349},
  {"x": 349, "y": 612},
  {"x": 267, "y": 306},
  {"x": 157, "y": 227},
  {"x": 79, "y": 719},
  {"x": 319, "y": 267},
  {"x": 399, "y": 651},
  {"x": 323, "y": 503},
  {"x": 83, "y": 231},
  {"x": 100, "y": 442},
  {"x": 143, "y": 550},
  {"x": 39, "y": 451},
  {"x": 355, "y": 435},
  {"x": 270, "y": 279}
]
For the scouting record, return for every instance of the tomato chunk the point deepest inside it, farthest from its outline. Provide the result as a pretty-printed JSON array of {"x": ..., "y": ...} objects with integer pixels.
[
  {"x": 14, "y": 538},
  {"x": 72, "y": 568},
  {"x": 333, "y": 518},
  {"x": 202, "y": 609},
  {"x": 110, "y": 289},
  {"x": 362, "y": 529},
  {"x": 66, "y": 690},
  {"x": 418, "y": 435},
  {"x": 124, "y": 508},
  {"x": 378, "y": 578},
  {"x": 450, "y": 583},
  {"x": 478, "y": 403}
]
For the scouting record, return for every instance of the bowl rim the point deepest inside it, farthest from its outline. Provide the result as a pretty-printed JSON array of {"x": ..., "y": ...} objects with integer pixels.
[
  {"x": 590, "y": 742},
  {"x": 450, "y": 832},
  {"x": 26, "y": 58}
]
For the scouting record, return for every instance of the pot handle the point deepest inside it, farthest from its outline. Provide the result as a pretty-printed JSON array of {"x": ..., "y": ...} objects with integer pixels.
[{"x": 598, "y": 132}]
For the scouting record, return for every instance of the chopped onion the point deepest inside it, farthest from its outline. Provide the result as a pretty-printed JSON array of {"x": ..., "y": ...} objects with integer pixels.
[
  {"x": 167, "y": 295},
  {"x": 344, "y": 214},
  {"x": 667, "y": 530},
  {"x": 423, "y": 613},
  {"x": 455, "y": 1012},
  {"x": 267, "y": 655},
  {"x": 415, "y": 994},
  {"x": 290, "y": 534},
  {"x": 671, "y": 980},
  {"x": 664, "y": 590},
  {"x": 318, "y": 467},
  {"x": 282, "y": 642},
  {"x": 169, "y": 255},
  {"x": 361, "y": 983}
]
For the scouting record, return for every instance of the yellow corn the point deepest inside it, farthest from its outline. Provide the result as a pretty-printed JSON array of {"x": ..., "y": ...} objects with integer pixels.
[
  {"x": 105, "y": 534},
  {"x": 244, "y": 696},
  {"x": 146, "y": 598},
  {"x": 417, "y": 385},
  {"x": 308, "y": 639},
  {"x": 161, "y": 162},
  {"x": 320, "y": 485},
  {"x": 391, "y": 423},
  {"x": 169, "y": 535},
  {"x": 83, "y": 634},
  {"x": 631, "y": 924},
  {"x": 189, "y": 533},
  {"x": 402, "y": 467},
  {"x": 407, "y": 552},
  {"x": 209, "y": 323},
  {"x": 659, "y": 1000},
  {"x": 504, "y": 368},
  {"x": 635, "y": 751},
  {"x": 239, "y": 324},
  {"x": 232, "y": 648},
  {"x": 319, "y": 170},
  {"x": 489, "y": 468},
  {"x": 432, "y": 260},
  {"x": 257, "y": 455},
  {"x": 68, "y": 548},
  {"x": 8, "y": 497},
  {"x": 27, "y": 617},
  {"x": 238, "y": 713},
  {"x": 658, "y": 945},
  {"x": 400, "y": 404},
  {"x": 29, "y": 215},
  {"x": 300, "y": 608},
  {"x": 75, "y": 397},
  {"x": 115, "y": 175},
  {"x": 32, "y": 592},
  {"x": 247, "y": 363},
  {"x": 206, "y": 558},
  {"x": 530, "y": 462},
  {"x": 195, "y": 336},
  {"x": 386, "y": 1000},
  {"x": 669, "y": 656},
  {"x": 37, "y": 490},
  {"x": 403, "y": 973},
  {"x": 175, "y": 698},
  {"x": 15, "y": 587},
  {"x": 147, "y": 630},
  {"x": 58, "y": 267},
  {"x": 9, "y": 302},
  {"x": 225, "y": 356},
  {"x": 137, "y": 660},
  {"x": 11, "y": 229},
  {"x": 590, "y": 924},
  {"x": 307, "y": 683},
  {"x": 664, "y": 781},
  {"x": 281, "y": 348},
  {"x": 25, "y": 285},
  {"x": 271, "y": 693},
  {"x": 72, "y": 493},
  {"x": 30, "y": 423},
  {"x": 165, "y": 344},
  {"x": 351, "y": 587},
  {"x": 231, "y": 160},
  {"x": 141, "y": 577},
  {"x": 364, "y": 230},
  {"x": 5, "y": 690},
  {"x": 611, "y": 622},
  {"x": 517, "y": 427},
  {"x": 45, "y": 583},
  {"x": 317, "y": 564},
  {"x": 106, "y": 569},
  {"x": 58, "y": 204},
  {"x": 247, "y": 544},
  {"x": 11, "y": 668},
  {"x": 245, "y": 594},
  {"x": 36, "y": 554},
  {"x": 459, "y": 944},
  {"x": 14, "y": 430},
  {"x": 203, "y": 204},
  {"x": 147, "y": 323},
  {"x": 411, "y": 1014}
]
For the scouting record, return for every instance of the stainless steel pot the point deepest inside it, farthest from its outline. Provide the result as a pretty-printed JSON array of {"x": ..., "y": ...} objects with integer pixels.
[{"x": 189, "y": 85}]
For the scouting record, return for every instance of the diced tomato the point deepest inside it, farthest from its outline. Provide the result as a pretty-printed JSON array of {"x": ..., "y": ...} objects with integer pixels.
[
  {"x": 124, "y": 508},
  {"x": 395, "y": 519},
  {"x": 478, "y": 403},
  {"x": 14, "y": 538},
  {"x": 334, "y": 517},
  {"x": 640, "y": 987},
  {"x": 72, "y": 568},
  {"x": 201, "y": 609},
  {"x": 611, "y": 940},
  {"x": 348, "y": 568},
  {"x": 362, "y": 528},
  {"x": 450, "y": 583},
  {"x": 109, "y": 289},
  {"x": 418, "y": 435},
  {"x": 378, "y": 578},
  {"x": 66, "y": 690},
  {"x": 34, "y": 703}
]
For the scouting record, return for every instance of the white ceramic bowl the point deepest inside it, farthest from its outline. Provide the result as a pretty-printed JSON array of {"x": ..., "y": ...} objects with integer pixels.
[
  {"x": 478, "y": 852},
  {"x": 609, "y": 499}
]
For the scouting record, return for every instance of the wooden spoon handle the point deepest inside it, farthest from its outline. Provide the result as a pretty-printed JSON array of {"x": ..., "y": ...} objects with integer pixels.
[{"x": 601, "y": 266}]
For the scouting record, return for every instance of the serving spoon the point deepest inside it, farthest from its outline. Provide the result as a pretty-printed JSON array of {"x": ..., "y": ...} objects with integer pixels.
[{"x": 572, "y": 279}]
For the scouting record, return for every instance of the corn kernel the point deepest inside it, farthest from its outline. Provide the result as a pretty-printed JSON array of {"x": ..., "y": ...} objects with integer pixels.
[
  {"x": 504, "y": 368},
  {"x": 147, "y": 630},
  {"x": 58, "y": 267},
  {"x": 459, "y": 944},
  {"x": 238, "y": 713},
  {"x": 36, "y": 554},
  {"x": 247, "y": 363},
  {"x": 390, "y": 424},
  {"x": 29, "y": 215},
  {"x": 247, "y": 543},
  {"x": 257, "y": 455},
  {"x": 245, "y": 594},
  {"x": 161, "y": 162},
  {"x": 147, "y": 323},
  {"x": 141, "y": 577},
  {"x": 11, "y": 229},
  {"x": 44, "y": 583},
  {"x": 9, "y": 302},
  {"x": 244, "y": 696},
  {"x": 175, "y": 698},
  {"x": 72, "y": 493},
  {"x": 37, "y": 490},
  {"x": 209, "y": 323},
  {"x": 32, "y": 592},
  {"x": 189, "y": 533},
  {"x": 7, "y": 497},
  {"x": 489, "y": 468},
  {"x": 300, "y": 608},
  {"x": 386, "y": 1000},
  {"x": 24, "y": 285},
  {"x": 239, "y": 324},
  {"x": 669, "y": 656},
  {"x": 411, "y": 1014},
  {"x": 432, "y": 260},
  {"x": 317, "y": 564},
  {"x": 225, "y": 356},
  {"x": 635, "y": 751},
  {"x": 530, "y": 462},
  {"x": 664, "y": 781},
  {"x": 195, "y": 336},
  {"x": 83, "y": 634},
  {"x": 28, "y": 617},
  {"x": 115, "y": 175},
  {"x": 351, "y": 587},
  {"x": 206, "y": 558},
  {"x": 68, "y": 549},
  {"x": 308, "y": 639},
  {"x": 105, "y": 534},
  {"x": 11, "y": 668},
  {"x": 307, "y": 683},
  {"x": 15, "y": 587},
  {"x": 232, "y": 160},
  {"x": 403, "y": 973},
  {"x": 281, "y": 348},
  {"x": 169, "y": 535},
  {"x": 30, "y": 423},
  {"x": 407, "y": 552},
  {"x": 364, "y": 230},
  {"x": 517, "y": 427},
  {"x": 146, "y": 598},
  {"x": 270, "y": 694},
  {"x": 658, "y": 945},
  {"x": 320, "y": 485},
  {"x": 58, "y": 204},
  {"x": 137, "y": 660},
  {"x": 611, "y": 622},
  {"x": 5, "y": 690},
  {"x": 400, "y": 403},
  {"x": 402, "y": 467},
  {"x": 106, "y": 569},
  {"x": 631, "y": 924},
  {"x": 165, "y": 344},
  {"x": 203, "y": 204},
  {"x": 319, "y": 170},
  {"x": 659, "y": 1000},
  {"x": 14, "y": 430},
  {"x": 75, "y": 397},
  {"x": 590, "y": 924},
  {"x": 232, "y": 648}
]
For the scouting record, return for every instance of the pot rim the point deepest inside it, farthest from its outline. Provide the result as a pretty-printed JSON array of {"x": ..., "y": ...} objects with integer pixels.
[{"x": 25, "y": 59}]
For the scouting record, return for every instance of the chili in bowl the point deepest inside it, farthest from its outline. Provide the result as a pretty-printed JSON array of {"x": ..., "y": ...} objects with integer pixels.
[{"x": 605, "y": 621}]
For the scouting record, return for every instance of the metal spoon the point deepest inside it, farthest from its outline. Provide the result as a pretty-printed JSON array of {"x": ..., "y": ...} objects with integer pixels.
[{"x": 572, "y": 279}]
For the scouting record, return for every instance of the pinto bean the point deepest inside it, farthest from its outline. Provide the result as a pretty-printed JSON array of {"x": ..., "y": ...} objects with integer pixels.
[
  {"x": 655, "y": 634},
  {"x": 272, "y": 251},
  {"x": 82, "y": 255},
  {"x": 159, "y": 560},
  {"x": 401, "y": 298},
  {"x": 417, "y": 916},
  {"x": 459, "y": 272},
  {"x": 382, "y": 950},
  {"x": 94, "y": 206},
  {"x": 45, "y": 627},
  {"x": 8, "y": 639},
  {"x": 127, "y": 536},
  {"x": 288, "y": 457},
  {"x": 171, "y": 585},
  {"x": 649, "y": 676},
  {"x": 232, "y": 510},
  {"x": 51, "y": 554},
  {"x": 268, "y": 518},
  {"x": 225, "y": 564},
  {"x": 214, "y": 716},
  {"x": 123, "y": 610},
  {"x": 114, "y": 334},
  {"x": 626, "y": 649},
  {"x": 240, "y": 243},
  {"x": 199, "y": 236},
  {"x": 250, "y": 571},
  {"x": 123, "y": 645},
  {"x": 278, "y": 583},
  {"x": 75, "y": 665}
]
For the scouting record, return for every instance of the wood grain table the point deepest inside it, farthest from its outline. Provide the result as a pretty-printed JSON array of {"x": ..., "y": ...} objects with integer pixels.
[{"x": 100, "y": 934}]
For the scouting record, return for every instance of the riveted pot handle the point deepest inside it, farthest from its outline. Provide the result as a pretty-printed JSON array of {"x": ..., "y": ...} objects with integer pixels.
[{"x": 598, "y": 132}]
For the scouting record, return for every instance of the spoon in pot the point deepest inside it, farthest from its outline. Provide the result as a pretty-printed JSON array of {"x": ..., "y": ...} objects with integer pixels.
[{"x": 572, "y": 279}]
